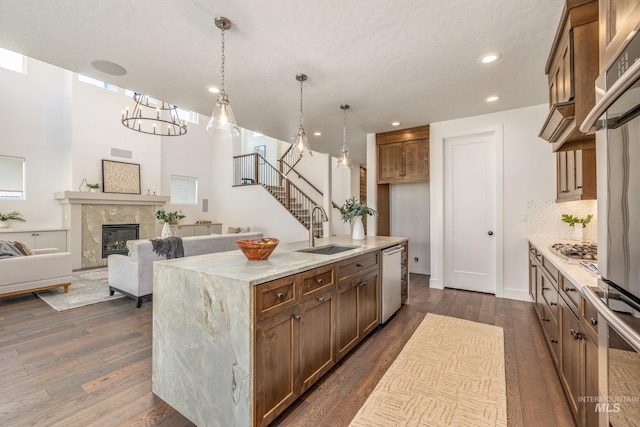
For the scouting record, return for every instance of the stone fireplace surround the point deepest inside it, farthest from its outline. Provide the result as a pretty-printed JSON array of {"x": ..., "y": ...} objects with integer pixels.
[{"x": 85, "y": 212}]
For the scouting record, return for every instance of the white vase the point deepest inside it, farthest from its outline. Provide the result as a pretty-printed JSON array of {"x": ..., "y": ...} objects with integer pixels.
[
  {"x": 578, "y": 232},
  {"x": 4, "y": 224},
  {"x": 166, "y": 231},
  {"x": 358, "y": 229}
]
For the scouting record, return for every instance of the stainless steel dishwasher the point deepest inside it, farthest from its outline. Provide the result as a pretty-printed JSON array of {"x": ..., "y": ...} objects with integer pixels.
[{"x": 391, "y": 281}]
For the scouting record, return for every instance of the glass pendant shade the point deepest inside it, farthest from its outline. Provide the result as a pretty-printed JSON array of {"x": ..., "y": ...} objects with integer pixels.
[
  {"x": 302, "y": 143},
  {"x": 223, "y": 122},
  {"x": 344, "y": 161}
]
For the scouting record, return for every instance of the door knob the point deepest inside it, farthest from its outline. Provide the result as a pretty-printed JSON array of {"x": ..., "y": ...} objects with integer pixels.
[{"x": 490, "y": 233}]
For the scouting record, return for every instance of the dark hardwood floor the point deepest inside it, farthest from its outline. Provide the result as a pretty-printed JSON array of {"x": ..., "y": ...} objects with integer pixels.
[{"x": 92, "y": 365}]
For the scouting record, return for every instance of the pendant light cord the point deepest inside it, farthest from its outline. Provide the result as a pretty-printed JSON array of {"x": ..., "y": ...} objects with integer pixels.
[
  {"x": 223, "y": 90},
  {"x": 344, "y": 129},
  {"x": 301, "y": 118}
]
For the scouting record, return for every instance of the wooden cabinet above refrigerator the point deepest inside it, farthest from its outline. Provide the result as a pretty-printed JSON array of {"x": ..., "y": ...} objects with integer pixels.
[{"x": 572, "y": 68}]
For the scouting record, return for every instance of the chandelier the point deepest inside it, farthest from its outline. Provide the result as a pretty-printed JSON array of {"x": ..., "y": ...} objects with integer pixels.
[
  {"x": 302, "y": 143},
  {"x": 223, "y": 123},
  {"x": 163, "y": 121},
  {"x": 344, "y": 161}
]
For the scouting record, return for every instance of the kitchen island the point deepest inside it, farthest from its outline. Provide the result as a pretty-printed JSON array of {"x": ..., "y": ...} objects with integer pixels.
[{"x": 236, "y": 341}]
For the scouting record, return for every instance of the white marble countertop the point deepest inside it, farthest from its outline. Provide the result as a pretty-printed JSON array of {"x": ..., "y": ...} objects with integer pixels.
[
  {"x": 569, "y": 268},
  {"x": 284, "y": 260}
]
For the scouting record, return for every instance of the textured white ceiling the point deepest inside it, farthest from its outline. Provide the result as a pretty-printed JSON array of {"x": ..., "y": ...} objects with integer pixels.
[{"x": 415, "y": 61}]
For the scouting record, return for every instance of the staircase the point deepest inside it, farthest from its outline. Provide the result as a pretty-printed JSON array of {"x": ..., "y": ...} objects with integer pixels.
[{"x": 253, "y": 169}]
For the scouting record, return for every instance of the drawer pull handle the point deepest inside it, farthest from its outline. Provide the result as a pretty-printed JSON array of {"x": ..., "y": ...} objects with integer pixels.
[
  {"x": 321, "y": 299},
  {"x": 553, "y": 303},
  {"x": 359, "y": 265},
  {"x": 544, "y": 319},
  {"x": 362, "y": 283},
  {"x": 319, "y": 281},
  {"x": 594, "y": 321},
  {"x": 297, "y": 316},
  {"x": 568, "y": 289},
  {"x": 546, "y": 289},
  {"x": 554, "y": 341},
  {"x": 279, "y": 295},
  {"x": 576, "y": 335},
  {"x": 533, "y": 266}
]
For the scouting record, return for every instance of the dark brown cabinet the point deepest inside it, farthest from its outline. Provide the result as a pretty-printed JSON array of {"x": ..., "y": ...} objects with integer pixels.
[
  {"x": 406, "y": 161},
  {"x": 572, "y": 68},
  {"x": 576, "y": 175}
]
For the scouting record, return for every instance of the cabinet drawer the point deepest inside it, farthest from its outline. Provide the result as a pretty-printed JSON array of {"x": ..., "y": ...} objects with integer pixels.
[
  {"x": 550, "y": 297},
  {"x": 571, "y": 295},
  {"x": 550, "y": 268},
  {"x": 273, "y": 297},
  {"x": 590, "y": 318},
  {"x": 353, "y": 266},
  {"x": 552, "y": 334},
  {"x": 316, "y": 281}
]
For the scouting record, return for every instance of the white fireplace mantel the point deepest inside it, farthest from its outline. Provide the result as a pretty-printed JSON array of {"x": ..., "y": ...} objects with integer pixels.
[{"x": 99, "y": 198}]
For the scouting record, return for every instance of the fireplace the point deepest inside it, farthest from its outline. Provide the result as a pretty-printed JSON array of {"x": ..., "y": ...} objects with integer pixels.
[{"x": 115, "y": 236}]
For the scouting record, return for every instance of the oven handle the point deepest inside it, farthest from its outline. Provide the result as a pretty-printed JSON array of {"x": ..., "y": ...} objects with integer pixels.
[
  {"x": 611, "y": 95},
  {"x": 612, "y": 319}
]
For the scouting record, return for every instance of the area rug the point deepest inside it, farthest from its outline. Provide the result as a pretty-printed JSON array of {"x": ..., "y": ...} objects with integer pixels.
[
  {"x": 87, "y": 287},
  {"x": 450, "y": 373}
]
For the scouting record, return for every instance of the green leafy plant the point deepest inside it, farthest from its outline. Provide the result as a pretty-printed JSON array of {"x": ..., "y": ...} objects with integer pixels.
[
  {"x": 573, "y": 220},
  {"x": 11, "y": 216},
  {"x": 169, "y": 217},
  {"x": 353, "y": 207},
  {"x": 93, "y": 185}
]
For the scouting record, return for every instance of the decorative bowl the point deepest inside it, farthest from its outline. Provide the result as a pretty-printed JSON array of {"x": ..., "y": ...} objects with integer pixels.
[{"x": 258, "y": 249}]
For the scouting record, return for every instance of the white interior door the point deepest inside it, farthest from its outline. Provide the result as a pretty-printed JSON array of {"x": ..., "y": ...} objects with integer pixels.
[{"x": 470, "y": 212}]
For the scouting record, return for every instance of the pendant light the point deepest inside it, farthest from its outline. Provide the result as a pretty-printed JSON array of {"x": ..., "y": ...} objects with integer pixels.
[
  {"x": 302, "y": 143},
  {"x": 222, "y": 122},
  {"x": 344, "y": 161}
]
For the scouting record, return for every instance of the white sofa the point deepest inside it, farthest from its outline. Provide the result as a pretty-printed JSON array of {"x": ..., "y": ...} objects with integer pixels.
[
  {"x": 47, "y": 269},
  {"x": 132, "y": 274}
]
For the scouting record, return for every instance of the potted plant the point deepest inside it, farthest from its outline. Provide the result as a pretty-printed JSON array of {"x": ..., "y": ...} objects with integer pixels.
[
  {"x": 355, "y": 210},
  {"x": 169, "y": 217},
  {"x": 573, "y": 220},
  {"x": 11, "y": 216},
  {"x": 93, "y": 187}
]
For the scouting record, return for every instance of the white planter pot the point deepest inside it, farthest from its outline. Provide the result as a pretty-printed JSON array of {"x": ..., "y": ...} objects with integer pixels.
[
  {"x": 4, "y": 224},
  {"x": 578, "y": 232},
  {"x": 358, "y": 229},
  {"x": 166, "y": 231}
]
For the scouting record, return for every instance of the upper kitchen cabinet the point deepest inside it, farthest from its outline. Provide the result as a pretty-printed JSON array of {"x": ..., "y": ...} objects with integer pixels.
[
  {"x": 618, "y": 18},
  {"x": 403, "y": 155},
  {"x": 572, "y": 68}
]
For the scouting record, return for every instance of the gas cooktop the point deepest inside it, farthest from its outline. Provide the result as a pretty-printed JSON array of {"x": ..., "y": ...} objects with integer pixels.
[{"x": 577, "y": 250}]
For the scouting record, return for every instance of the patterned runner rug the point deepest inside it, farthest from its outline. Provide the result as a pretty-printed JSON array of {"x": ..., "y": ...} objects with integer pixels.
[
  {"x": 450, "y": 373},
  {"x": 87, "y": 287}
]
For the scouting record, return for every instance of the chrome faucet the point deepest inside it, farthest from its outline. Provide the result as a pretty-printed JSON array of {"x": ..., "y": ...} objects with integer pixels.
[{"x": 312, "y": 236}]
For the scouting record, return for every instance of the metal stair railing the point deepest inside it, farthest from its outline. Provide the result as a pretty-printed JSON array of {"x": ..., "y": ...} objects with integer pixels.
[{"x": 253, "y": 169}]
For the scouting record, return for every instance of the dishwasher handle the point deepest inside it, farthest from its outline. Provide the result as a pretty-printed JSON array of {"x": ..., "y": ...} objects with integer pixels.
[{"x": 393, "y": 250}]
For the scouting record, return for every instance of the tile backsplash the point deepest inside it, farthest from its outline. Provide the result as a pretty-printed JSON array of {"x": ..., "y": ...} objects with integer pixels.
[{"x": 544, "y": 218}]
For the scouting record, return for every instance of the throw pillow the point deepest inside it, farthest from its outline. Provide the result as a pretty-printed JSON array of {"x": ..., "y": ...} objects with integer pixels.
[
  {"x": 233, "y": 230},
  {"x": 23, "y": 248}
]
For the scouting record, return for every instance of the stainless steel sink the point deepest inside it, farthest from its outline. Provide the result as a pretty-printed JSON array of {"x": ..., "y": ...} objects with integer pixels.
[{"x": 328, "y": 250}]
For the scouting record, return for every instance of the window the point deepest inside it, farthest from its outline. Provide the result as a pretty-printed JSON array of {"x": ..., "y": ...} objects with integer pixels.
[
  {"x": 11, "y": 178},
  {"x": 187, "y": 115},
  {"x": 184, "y": 190},
  {"x": 12, "y": 61},
  {"x": 98, "y": 83}
]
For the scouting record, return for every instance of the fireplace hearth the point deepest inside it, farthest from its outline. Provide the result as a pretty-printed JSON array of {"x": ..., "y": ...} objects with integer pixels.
[{"x": 115, "y": 236}]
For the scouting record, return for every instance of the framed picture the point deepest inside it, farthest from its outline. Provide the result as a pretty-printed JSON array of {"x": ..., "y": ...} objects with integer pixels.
[
  {"x": 120, "y": 177},
  {"x": 260, "y": 149}
]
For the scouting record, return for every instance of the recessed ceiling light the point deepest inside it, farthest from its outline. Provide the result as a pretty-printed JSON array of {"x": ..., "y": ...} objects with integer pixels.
[
  {"x": 213, "y": 89},
  {"x": 395, "y": 123},
  {"x": 489, "y": 58},
  {"x": 317, "y": 133},
  {"x": 492, "y": 98}
]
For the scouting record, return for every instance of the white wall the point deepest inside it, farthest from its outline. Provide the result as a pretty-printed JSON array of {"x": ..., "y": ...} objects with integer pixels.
[
  {"x": 529, "y": 173},
  {"x": 409, "y": 204},
  {"x": 36, "y": 124}
]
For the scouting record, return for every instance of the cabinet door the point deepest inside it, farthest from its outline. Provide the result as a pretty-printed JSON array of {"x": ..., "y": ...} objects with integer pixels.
[
  {"x": 317, "y": 337},
  {"x": 368, "y": 303},
  {"x": 416, "y": 161},
  {"x": 347, "y": 332},
  {"x": 51, "y": 239},
  {"x": 390, "y": 163},
  {"x": 183, "y": 230},
  {"x": 591, "y": 417},
  {"x": 561, "y": 167},
  {"x": 572, "y": 355},
  {"x": 276, "y": 364},
  {"x": 533, "y": 279}
]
